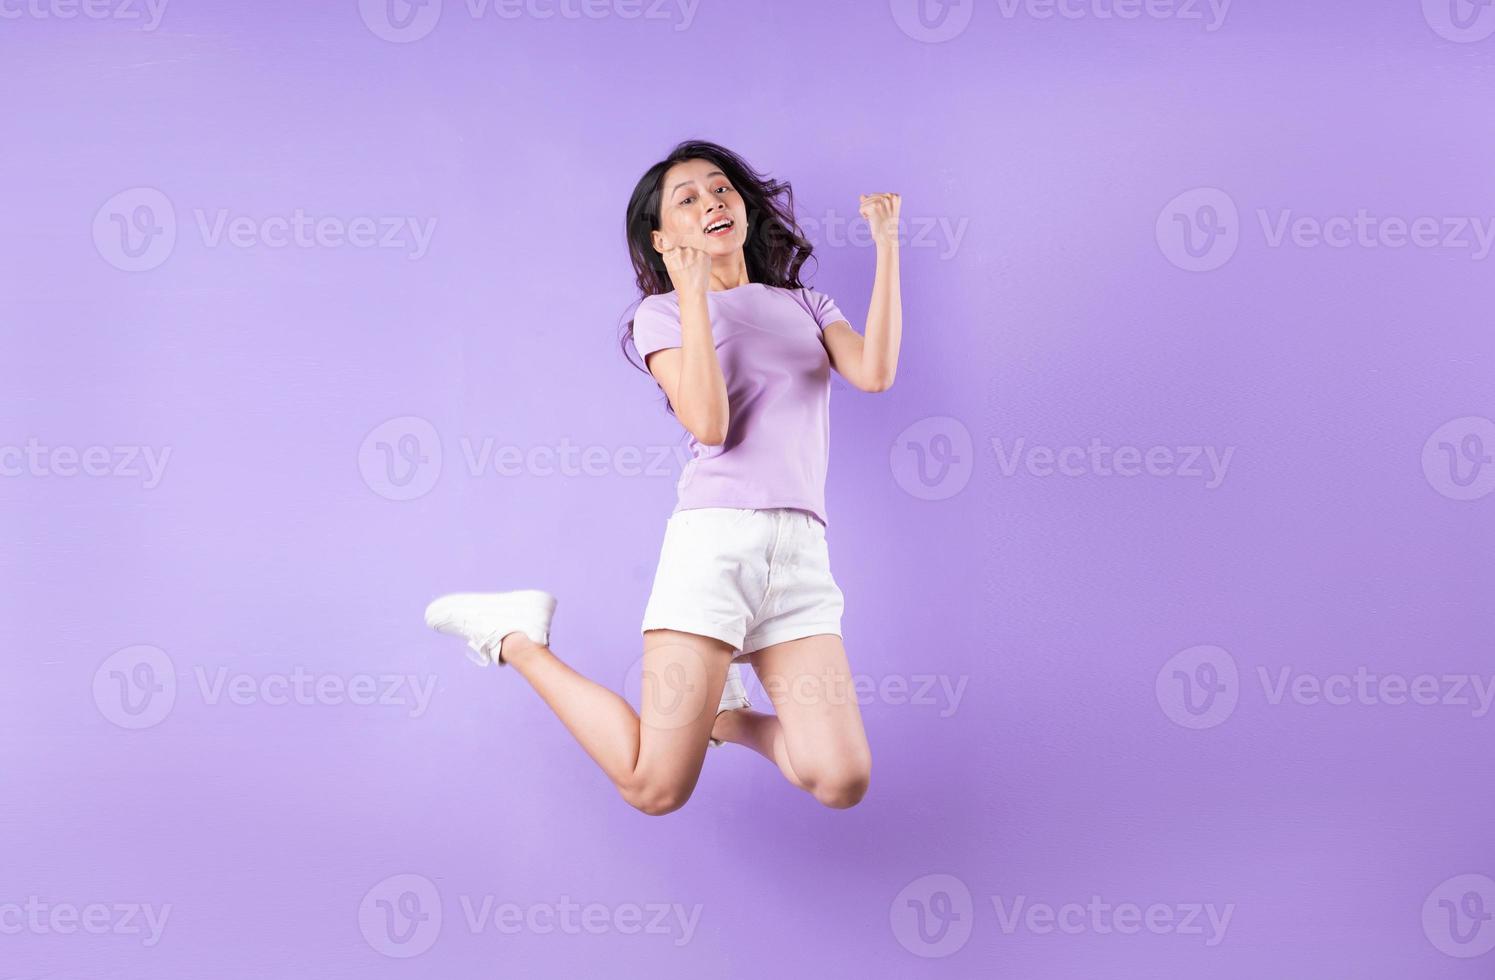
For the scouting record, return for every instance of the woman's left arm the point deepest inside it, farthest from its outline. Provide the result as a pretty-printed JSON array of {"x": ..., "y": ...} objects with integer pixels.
[{"x": 870, "y": 362}]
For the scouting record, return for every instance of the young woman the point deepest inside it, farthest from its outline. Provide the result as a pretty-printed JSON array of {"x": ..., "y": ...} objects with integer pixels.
[{"x": 743, "y": 352}]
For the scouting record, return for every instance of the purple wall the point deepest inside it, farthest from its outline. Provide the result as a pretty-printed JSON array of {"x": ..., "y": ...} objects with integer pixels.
[{"x": 1228, "y": 716}]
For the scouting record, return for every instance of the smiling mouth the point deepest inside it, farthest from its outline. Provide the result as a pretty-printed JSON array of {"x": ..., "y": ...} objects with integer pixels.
[{"x": 721, "y": 228}]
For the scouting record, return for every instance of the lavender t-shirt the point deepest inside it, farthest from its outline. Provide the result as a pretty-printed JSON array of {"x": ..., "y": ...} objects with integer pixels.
[{"x": 768, "y": 341}]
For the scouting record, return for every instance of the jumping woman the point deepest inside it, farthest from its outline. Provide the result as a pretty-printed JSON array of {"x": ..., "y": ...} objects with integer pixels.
[{"x": 743, "y": 352}]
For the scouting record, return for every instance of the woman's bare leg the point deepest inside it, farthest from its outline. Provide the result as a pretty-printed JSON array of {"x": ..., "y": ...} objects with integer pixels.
[
  {"x": 816, "y": 738},
  {"x": 760, "y": 732},
  {"x": 653, "y": 760}
]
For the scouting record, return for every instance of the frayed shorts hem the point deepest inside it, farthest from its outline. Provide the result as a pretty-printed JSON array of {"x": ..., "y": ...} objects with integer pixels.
[
  {"x": 796, "y": 632},
  {"x": 698, "y": 628},
  {"x": 743, "y": 646}
]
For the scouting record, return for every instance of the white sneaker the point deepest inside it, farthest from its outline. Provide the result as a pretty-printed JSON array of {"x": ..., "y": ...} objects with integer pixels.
[
  {"x": 484, "y": 618},
  {"x": 734, "y": 695}
]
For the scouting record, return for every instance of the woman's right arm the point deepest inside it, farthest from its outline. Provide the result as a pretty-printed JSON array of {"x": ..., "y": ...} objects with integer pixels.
[{"x": 691, "y": 374}]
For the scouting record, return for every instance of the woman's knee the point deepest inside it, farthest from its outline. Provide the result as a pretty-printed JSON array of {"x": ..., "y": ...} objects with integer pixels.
[
  {"x": 840, "y": 783},
  {"x": 656, "y": 797}
]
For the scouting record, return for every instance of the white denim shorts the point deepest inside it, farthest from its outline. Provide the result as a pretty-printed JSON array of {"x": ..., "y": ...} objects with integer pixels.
[{"x": 748, "y": 577}]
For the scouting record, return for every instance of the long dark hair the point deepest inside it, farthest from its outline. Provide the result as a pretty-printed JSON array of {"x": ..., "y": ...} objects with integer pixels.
[{"x": 775, "y": 250}]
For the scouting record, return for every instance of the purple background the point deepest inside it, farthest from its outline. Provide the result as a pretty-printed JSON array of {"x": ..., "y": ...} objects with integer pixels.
[{"x": 1057, "y": 318}]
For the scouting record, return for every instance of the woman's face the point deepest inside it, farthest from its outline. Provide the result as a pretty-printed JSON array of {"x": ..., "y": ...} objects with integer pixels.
[{"x": 695, "y": 195}]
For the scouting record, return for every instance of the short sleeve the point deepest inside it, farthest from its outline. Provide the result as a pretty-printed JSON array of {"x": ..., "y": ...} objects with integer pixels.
[
  {"x": 822, "y": 308},
  {"x": 655, "y": 326}
]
